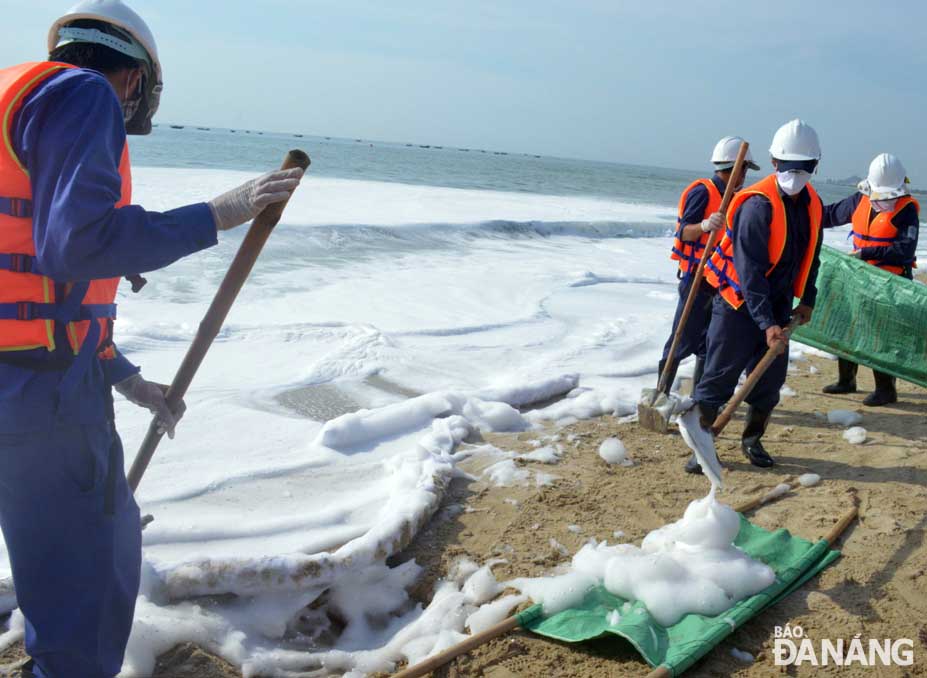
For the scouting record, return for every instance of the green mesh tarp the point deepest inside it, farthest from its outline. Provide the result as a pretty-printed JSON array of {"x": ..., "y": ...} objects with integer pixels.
[
  {"x": 869, "y": 316},
  {"x": 679, "y": 646}
]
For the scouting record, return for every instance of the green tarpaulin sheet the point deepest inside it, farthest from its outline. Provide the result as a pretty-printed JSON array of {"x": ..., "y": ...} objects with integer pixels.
[
  {"x": 869, "y": 316},
  {"x": 678, "y": 647}
]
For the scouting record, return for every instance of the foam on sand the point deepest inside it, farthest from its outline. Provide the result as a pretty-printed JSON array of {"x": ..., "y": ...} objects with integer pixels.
[
  {"x": 845, "y": 418},
  {"x": 612, "y": 450},
  {"x": 809, "y": 479},
  {"x": 856, "y": 435}
]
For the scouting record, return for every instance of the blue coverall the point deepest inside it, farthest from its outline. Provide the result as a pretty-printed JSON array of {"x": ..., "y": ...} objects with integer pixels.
[
  {"x": 69, "y": 520},
  {"x": 737, "y": 338},
  {"x": 693, "y": 340}
]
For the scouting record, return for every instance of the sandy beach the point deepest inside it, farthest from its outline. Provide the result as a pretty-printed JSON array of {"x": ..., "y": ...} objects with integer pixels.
[{"x": 878, "y": 589}]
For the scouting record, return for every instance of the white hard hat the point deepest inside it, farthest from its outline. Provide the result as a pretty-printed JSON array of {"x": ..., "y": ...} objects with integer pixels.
[
  {"x": 796, "y": 140},
  {"x": 887, "y": 178},
  {"x": 725, "y": 154},
  {"x": 120, "y": 15}
]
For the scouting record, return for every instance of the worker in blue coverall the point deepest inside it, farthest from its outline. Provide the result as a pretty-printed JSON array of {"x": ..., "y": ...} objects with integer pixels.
[
  {"x": 755, "y": 299},
  {"x": 885, "y": 224},
  {"x": 698, "y": 217},
  {"x": 69, "y": 520}
]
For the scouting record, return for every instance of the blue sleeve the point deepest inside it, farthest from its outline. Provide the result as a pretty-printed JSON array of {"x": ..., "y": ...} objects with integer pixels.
[
  {"x": 902, "y": 251},
  {"x": 118, "y": 369},
  {"x": 840, "y": 213},
  {"x": 751, "y": 258},
  {"x": 70, "y": 135},
  {"x": 693, "y": 209}
]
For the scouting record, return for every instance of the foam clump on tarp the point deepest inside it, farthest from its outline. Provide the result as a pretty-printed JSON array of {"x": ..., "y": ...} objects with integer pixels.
[
  {"x": 684, "y": 567},
  {"x": 678, "y": 646}
]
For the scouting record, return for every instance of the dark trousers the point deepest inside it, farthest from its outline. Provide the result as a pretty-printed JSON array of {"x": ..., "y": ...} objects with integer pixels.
[
  {"x": 735, "y": 344},
  {"x": 693, "y": 340},
  {"x": 72, "y": 531}
]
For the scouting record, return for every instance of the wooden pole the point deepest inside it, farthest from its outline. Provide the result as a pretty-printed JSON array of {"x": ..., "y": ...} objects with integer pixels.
[
  {"x": 238, "y": 272},
  {"x": 763, "y": 499},
  {"x": 729, "y": 191},
  {"x": 427, "y": 666},
  {"x": 845, "y": 521}
]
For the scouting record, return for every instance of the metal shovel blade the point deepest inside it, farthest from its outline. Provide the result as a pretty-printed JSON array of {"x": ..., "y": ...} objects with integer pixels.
[
  {"x": 654, "y": 409},
  {"x": 702, "y": 443}
]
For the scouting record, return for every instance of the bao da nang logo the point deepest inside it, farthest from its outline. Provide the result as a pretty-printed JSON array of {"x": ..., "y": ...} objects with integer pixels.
[{"x": 792, "y": 648}]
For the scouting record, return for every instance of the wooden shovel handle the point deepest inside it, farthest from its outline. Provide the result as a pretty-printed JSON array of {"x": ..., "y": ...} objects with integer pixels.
[
  {"x": 729, "y": 191},
  {"x": 239, "y": 270},
  {"x": 471, "y": 643},
  {"x": 768, "y": 359},
  {"x": 840, "y": 527}
]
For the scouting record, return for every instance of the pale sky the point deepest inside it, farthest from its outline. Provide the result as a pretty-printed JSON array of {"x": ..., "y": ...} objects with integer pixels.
[{"x": 654, "y": 83}]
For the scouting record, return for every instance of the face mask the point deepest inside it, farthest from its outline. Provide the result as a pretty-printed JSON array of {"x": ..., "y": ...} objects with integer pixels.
[
  {"x": 793, "y": 181},
  {"x": 884, "y": 205}
]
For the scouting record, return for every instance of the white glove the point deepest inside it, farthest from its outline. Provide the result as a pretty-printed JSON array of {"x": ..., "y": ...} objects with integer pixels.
[
  {"x": 149, "y": 395},
  {"x": 242, "y": 204},
  {"x": 713, "y": 223}
]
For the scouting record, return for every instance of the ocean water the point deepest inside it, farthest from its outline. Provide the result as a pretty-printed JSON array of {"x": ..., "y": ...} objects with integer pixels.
[
  {"x": 409, "y": 298},
  {"x": 446, "y": 166}
]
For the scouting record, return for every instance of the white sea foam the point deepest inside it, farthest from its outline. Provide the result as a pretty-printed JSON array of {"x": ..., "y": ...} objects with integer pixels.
[
  {"x": 809, "y": 479},
  {"x": 613, "y": 452},
  {"x": 845, "y": 418},
  {"x": 856, "y": 435},
  {"x": 383, "y": 324}
]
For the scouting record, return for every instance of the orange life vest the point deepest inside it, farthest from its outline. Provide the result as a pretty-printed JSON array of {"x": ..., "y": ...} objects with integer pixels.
[
  {"x": 720, "y": 271},
  {"x": 880, "y": 232},
  {"x": 30, "y": 305},
  {"x": 688, "y": 254}
]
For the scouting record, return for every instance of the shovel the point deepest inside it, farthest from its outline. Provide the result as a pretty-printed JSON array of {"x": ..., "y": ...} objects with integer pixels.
[
  {"x": 702, "y": 441},
  {"x": 655, "y": 407},
  {"x": 239, "y": 270}
]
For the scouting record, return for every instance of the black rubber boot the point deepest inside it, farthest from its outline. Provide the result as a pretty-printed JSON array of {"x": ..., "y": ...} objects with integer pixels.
[
  {"x": 709, "y": 414},
  {"x": 753, "y": 449},
  {"x": 884, "y": 393},
  {"x": 846, "y": 378},
  {"x": 692, "y": 466},
  {"x": 671, "y": 377},
  {"x": 25, "y": 671}
]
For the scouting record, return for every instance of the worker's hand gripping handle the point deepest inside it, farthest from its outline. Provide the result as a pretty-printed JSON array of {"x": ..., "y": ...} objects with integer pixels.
[{"x": 753, "y": 378}]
